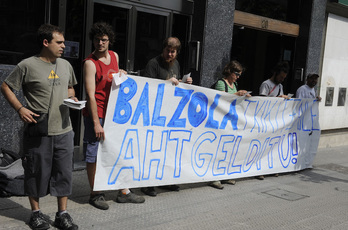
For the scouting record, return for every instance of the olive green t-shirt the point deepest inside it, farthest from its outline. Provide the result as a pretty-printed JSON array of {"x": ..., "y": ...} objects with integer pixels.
[
  {"x": 156, "y": 68},
  {"x": 37, "y": 79}
]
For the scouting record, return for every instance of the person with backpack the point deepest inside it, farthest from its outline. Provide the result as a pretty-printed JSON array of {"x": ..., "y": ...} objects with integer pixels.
[{"x": 228, "y": 83}]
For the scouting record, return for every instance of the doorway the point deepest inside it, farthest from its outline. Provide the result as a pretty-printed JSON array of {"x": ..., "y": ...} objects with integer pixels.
[{"x": 259, "y": 51}]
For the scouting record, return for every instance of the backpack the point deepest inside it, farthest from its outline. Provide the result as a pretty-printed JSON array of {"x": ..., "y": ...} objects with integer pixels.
[
  {"x": 7, "y": 157},
  {"x": 11, "y": 174},
  {"x": 226, "y": 86}
]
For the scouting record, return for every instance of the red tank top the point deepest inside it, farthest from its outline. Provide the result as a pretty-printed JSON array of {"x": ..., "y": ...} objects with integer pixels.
[{"x": 103, "y": 81}]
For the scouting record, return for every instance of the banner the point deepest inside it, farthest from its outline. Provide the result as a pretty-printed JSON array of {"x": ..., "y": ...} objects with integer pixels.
[{"x": 159, "y": 134}]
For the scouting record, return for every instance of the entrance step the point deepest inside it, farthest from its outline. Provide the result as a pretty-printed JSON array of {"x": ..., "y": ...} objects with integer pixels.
[{"x": 333, "y": 138}]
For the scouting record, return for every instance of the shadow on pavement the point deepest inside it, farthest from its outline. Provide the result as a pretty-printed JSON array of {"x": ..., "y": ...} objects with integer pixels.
[{"x": 316, "y": 175}]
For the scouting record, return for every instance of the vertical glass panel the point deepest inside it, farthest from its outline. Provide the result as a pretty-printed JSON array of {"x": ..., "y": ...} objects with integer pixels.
[
  {"x": 329, "y": 96},
  {"x": 74, "y": 34},
  {"x": 20, "y": 20},
  {"x": 118, "y": 18},
  {"x": 180, "y": 29},
  {"x": 54, "y": 13},
  {"x": 73, "y": 53},
  {"x": 150, "y": 33},
  {"x": 342, "y": 92}
]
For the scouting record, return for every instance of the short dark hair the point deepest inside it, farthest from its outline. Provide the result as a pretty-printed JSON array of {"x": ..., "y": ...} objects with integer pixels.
[
  {"x": 281, "y": 67},
  {"x": 172, "y": 42},
  {"x": 312, "y": 75},
  {"x": 46, "y": 31},
  {"x": 100, "y": 29},
  {"x": 233, "y": 66}
]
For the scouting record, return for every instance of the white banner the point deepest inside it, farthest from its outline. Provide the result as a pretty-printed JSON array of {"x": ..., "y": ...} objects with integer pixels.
[{"x": 159, "y": 134}]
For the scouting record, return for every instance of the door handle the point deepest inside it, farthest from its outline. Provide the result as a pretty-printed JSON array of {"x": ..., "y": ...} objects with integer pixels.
[{"x": 133, "y": 72}]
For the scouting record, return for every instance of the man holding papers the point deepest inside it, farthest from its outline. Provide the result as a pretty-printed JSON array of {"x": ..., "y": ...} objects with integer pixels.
[
  {"x": 48, "y": 141},
  {"x": 166, "y": 66},
  {"x": 99, "y": 68},
  {"x": 74, "y": 104}
]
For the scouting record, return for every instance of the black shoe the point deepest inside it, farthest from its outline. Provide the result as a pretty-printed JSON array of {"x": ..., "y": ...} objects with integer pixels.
[
  {"x": 260, "y": 177},
  {"x": 150, "y": 191},
  {"x": 38, "y": 221},
  {"x": 129, "y": 198},
  {"x": 65, "y": 222},
  {"x": 172, "y": 187}
]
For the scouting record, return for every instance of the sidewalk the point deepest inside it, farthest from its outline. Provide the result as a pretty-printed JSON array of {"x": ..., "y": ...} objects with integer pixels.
[{"x": 309, "y": 199}]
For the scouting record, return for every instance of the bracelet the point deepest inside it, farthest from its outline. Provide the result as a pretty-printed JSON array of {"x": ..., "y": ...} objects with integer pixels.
[
  {"x": 71, "y": 96},
  {"x": 20, "y": 108}
]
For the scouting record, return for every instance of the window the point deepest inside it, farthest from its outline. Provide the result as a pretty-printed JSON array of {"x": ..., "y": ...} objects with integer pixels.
[{"x": 20, "y": 20}]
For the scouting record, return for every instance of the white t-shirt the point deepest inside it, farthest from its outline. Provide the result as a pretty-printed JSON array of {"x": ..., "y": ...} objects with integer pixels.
[
  {"x": 305, "y": 92},
  {"x": 269, "y": 89}
]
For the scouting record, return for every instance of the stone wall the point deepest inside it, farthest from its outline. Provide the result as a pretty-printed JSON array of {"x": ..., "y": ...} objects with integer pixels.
[
  {"x": 316, "y": 35},
  {"x": 213, "y": 27},
  {"x": 11, "y": 127}
]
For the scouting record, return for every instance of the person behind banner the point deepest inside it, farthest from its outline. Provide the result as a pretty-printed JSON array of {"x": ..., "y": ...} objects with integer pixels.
[
  {"x": 307, "y": 90},
  {"x": 166, "y": 67},
  {"x": 273, "y": 87},
  {"x": 97, "y": 71},
  {"x": 48, "y": 141},
  {"x": 231, "y": 73}
]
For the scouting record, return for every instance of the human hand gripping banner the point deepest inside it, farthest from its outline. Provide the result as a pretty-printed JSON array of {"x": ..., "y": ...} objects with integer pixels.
[{"x": 159, "y": 134}]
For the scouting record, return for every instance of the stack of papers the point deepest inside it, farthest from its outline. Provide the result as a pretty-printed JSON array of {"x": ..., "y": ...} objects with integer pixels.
[{"x": 74, "y": 104}]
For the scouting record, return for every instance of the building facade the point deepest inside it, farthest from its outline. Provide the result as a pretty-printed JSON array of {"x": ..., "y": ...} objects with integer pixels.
[
  {"x": 310, "y": 35},
  {"x": 334, "y": 84}
]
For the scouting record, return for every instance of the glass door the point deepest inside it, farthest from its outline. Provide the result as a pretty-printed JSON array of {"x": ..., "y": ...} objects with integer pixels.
[
  {"x": 139, "y": 32},
  {"x": 180, "y": 29},
  {"x": 150, "y": 30},
  {"x": 118, "y": 17}
]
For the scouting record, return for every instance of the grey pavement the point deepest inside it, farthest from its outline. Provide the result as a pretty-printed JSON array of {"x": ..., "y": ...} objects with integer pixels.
[{"x": 310, "y": 199}]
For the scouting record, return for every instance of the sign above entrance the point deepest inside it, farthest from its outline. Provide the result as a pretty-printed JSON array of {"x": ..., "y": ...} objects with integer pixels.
[{"x": 267, "y": 24}]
